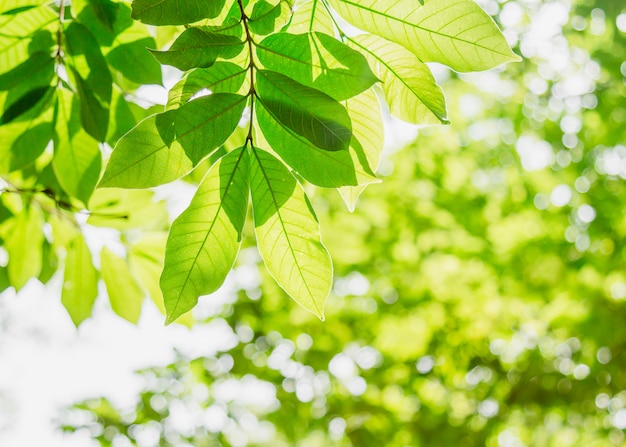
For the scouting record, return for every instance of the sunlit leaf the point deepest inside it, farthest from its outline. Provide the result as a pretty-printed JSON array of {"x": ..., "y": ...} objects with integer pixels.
[
  {"x": 410, "y": 88},
  {"x": 164, "y": 147},
  {"x": 311, "y": 16},
  {"x": 288, "y": 234},
  {"x": 204, "y": 240},
  {"x": 457, "y": 33}
]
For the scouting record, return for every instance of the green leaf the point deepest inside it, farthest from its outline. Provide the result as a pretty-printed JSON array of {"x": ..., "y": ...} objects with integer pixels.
[
  {"x": 204, "y": 240},
  {"x": 134, "y": 62},
  {"x": 176, "y": 12},
  {"x": 288, "y": 234},
  {"x": 410, "y": 88},
  {"x": 306, "y": 111},
  {"x": 80, "y": 280},
  {"x": 22, "y": 142},
  {"x": 77, "y": 160},
  {"x": 318, "y": 61},
  {"x": 329, "y": 169},
  {"x": 197, "y": 47},
  {"x": 125, "y": 295},
  {"x": 24, "y": 246},
  {"x": 164, "y": 147},
  {"x": 222, "y": 77},
  {"x": 457, "y": 33}
]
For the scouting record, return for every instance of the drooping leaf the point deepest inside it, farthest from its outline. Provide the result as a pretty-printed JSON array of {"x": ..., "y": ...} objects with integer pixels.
[
  {"x": 318, "y": 61},
  {"x": 222, "y": 77},
  {"x": 410, "y": 88},
  {"x": 125, "y": 295},
  {"x": 80, "y": 280},
  {"x": 24, "y": 246},
  {"x": 288, "y": 234},
  {"x": 39, "y": 62},
  {"x": 77, "y": 160},
  {"x": 199, "y": 48},
  {"x": 204, "y": 240},
  {"x": 176, "y": 12},
  {"x": 166, "y": 146},
  {"x": 457, "y": 33},
  {"x": 306, "y": 111}
]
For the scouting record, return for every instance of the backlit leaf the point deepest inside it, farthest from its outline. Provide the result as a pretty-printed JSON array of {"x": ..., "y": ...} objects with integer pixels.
[
  {"x": 204, "y": 240},
  {"x": 176, "y": 12},
  {"x": 24, "y": 246},
  {"x": 288, "y": 234},
  {"x": 166, "y": 146},
  {"x": 410, "y": 88},
  {"x": 457, "y": 33}
]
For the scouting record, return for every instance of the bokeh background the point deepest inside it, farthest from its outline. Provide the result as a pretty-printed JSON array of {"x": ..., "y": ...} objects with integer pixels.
[{"x": 480, "y": 293}]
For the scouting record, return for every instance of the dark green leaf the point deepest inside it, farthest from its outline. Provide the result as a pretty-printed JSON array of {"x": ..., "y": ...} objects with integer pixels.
[
  {"x": 24, "y": 104},
  {"x": 93, "y": 115},
  {"x": 306, "y": 111}
]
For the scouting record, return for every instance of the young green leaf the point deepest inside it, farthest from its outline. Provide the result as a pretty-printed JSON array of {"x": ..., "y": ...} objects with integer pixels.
[
  {"x": 21, "y": 143},
  {"x": 410, "y": 88},
  {"x": 199, "y": 48},
  {"x": 319, "y": 167},
  {"x": 204, "y": 240},
  {"x": 222, "y": 77},
  {"x": 267, "y": 17},
  {"x": 318, "y": 61},
  {"x": 24, "y": 246},
  {"x": 80, "y": 280},
  {"x": 176, "y": 12},
  {"x": 306, "y": 111},
  {"x": 457, "y": 33},
  {"x": 311, "y": 16},
  {"x": 288, "y": 234},
  {"x": 125, "y": 295},
  {"x": 166, "y": 146},
  {"x": 134, "y": 62},
  {"x": 94, "y": 116}
]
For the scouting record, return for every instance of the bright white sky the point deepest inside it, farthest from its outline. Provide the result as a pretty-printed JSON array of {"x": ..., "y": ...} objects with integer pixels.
[{"x": 46, "y": 364}]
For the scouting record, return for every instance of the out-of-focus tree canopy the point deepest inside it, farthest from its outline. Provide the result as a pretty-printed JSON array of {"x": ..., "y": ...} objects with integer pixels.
[{"x": 480, "y": 289}]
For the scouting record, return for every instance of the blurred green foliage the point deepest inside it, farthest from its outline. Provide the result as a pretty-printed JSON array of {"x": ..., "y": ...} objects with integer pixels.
[{"x": 479, "y": 292}]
